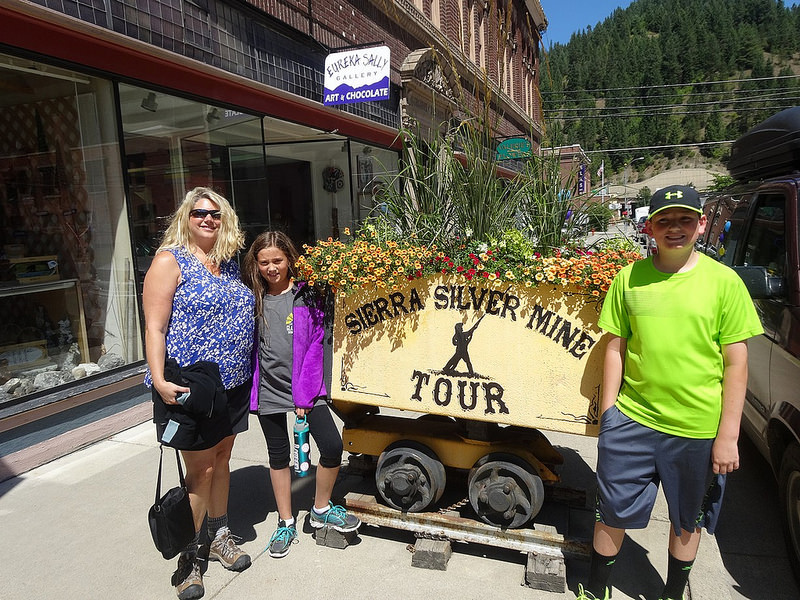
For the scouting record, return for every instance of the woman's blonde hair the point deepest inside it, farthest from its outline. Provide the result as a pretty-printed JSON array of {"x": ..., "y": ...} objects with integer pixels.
[
  {"x": 230, "y": 238},
  {"x": 250, "y": 273}
]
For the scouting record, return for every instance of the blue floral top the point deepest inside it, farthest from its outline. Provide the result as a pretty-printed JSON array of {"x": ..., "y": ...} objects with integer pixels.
[{"x": 212, "y": 319}]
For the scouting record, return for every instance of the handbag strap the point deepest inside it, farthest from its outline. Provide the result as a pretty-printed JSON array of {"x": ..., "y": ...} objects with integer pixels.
[
  {"x": 160, "y": 463},
  {"x": 180, "y": 469}
]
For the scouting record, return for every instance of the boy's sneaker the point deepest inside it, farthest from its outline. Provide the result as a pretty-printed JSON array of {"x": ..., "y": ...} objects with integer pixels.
[
  {"x": 584, "y": 595},
  {"x": 225, "y": 550},
  {"x": 281, "y": 541},
  {"x": 187, "y": 579},
  {"x": 336, "y": 517}
]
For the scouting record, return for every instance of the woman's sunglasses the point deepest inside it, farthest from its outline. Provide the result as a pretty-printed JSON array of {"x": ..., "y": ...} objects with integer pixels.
[{"x": 202, "y": 213}]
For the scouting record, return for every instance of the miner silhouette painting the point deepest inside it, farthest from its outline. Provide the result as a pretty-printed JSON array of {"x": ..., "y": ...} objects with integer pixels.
[{"x": 461, "y": 340}]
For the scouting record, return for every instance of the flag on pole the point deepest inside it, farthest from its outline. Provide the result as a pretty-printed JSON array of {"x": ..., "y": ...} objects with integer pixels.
[{"x": 602, "y": 169}]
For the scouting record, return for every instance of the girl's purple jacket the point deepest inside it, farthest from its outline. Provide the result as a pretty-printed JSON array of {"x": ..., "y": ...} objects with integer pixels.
[{"x": 307, "y": 352}]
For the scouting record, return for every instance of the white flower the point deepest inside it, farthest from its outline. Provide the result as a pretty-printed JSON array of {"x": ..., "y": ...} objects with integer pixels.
[
  {"x": 468, "y": 233},
  {"x": 483, "y": 248}
]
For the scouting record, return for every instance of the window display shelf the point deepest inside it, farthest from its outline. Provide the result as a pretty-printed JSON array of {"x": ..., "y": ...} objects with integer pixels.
[{"x": 59, "y": 298}]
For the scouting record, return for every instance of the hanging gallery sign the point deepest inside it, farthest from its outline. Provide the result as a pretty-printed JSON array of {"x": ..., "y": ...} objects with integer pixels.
[
  {"x": 514, "y": 355},
  {"x": 358, "y": 75}
]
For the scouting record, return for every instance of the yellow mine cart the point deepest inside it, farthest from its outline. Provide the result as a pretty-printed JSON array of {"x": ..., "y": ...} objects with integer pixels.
[{"x": 482, "y": 367}]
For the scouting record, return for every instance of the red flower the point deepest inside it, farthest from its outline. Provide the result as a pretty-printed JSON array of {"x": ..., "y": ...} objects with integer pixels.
[
  {"x": 459, "y": 268},
  {"x": 485, "y": 274}
]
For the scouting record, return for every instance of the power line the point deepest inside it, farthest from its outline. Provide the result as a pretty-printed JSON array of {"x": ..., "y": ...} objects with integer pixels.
[
  {"x": 672, "y": 85},
  {"x": 695, "y": 145},
  {"x": 774, "y": 94},
  {"x": 633, "y": 114},
  {"x": 738, "y": 91}
]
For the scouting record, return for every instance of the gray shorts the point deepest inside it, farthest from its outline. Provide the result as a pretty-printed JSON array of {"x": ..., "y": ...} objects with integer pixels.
[{"x": 633, "y": 460}]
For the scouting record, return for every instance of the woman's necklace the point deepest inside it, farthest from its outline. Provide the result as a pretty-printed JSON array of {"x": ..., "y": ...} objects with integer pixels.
[{"x": 209, "y": 264}]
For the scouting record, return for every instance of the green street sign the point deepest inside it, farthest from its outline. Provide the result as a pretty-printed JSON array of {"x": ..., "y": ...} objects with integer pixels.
[{"x": 514, "y": 148}]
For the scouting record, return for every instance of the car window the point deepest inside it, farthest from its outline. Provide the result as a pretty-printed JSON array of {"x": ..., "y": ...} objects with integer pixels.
[
  {"x": 727, "y": 226},
  {"x": 766, "y": 240}
]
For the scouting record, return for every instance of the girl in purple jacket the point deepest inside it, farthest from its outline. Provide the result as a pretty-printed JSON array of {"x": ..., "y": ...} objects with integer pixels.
[{"x": 289, "y": 378}]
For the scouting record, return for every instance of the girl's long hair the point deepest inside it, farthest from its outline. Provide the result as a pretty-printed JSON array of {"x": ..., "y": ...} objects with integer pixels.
[
  {"x": 250, "y": 274},
  {"x": 230, "y": 238}
]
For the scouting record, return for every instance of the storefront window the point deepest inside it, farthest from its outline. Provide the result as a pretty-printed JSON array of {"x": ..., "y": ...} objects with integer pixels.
[
  {"x": 278, "y": 175},
  {"x": 174, "y": 144},
  {"x": 309, "y": 191},
  {"x": 373, "y": 169},
  {"x": 67, "y": 292}
]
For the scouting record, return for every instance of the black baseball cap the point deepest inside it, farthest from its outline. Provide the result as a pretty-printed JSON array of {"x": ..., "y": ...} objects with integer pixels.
[{"x": 675, "y": 196}]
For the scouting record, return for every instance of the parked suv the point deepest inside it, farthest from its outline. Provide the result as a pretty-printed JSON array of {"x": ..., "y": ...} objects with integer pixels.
[{"x": 753, "y": 227}]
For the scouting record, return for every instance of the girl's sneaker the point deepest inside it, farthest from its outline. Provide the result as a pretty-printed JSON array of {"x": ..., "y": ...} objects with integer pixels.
[
  {"x": 336, "y": 517},
  {"x": 281, "y": 541}
]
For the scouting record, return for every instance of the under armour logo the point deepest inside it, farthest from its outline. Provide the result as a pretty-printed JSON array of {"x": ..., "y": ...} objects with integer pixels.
[{"x": 671, "y": 195}]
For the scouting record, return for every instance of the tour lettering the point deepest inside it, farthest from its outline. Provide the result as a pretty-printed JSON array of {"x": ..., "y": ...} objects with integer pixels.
[
  {"x": 464, "y": 391},
  {"x": 559, "y": 329},
  {"x": 370, "y": 314},
  {"x": 494, "y": 302}
]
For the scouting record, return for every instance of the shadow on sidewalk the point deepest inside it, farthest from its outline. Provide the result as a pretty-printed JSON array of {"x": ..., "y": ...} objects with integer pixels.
[
  {"x": 750, "y": 532},
  {"x": 250, "y": 500}
]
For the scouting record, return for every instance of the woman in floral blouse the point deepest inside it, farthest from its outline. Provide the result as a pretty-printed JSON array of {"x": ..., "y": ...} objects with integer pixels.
[{"x": 197, "y": 309}]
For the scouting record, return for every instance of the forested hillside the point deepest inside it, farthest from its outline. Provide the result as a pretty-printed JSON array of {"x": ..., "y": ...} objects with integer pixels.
[{"x": 672, "y": 73}]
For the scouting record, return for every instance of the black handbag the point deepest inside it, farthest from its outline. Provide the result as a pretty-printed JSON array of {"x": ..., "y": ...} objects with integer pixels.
[{"x": 171, "y": 520}]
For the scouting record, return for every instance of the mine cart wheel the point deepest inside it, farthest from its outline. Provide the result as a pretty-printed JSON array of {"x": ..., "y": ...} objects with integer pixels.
[
  {"x": 504, "y": 490},
  {"x": 410, "y": 477}
]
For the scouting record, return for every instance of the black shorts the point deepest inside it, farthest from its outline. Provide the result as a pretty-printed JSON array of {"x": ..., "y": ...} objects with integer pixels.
[{"x": 207, "y": 432}]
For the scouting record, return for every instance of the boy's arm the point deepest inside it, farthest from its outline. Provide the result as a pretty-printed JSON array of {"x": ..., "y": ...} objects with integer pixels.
[
  {"x": 613, "y": 367},
  {"x": 725, "y": 452}
]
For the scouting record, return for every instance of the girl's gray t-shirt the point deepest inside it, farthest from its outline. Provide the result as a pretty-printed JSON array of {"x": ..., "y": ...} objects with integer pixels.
[{"x": 275, "y": 354}]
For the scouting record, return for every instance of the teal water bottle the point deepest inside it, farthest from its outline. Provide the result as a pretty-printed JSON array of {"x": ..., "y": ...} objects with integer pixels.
[{"x": 302, "y": 447}]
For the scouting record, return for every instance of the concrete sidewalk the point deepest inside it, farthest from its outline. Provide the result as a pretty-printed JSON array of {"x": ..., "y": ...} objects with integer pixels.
[{"x": 76, "y": 529}]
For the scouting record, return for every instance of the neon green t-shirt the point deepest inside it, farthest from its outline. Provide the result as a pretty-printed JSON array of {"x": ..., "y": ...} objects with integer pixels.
[{"x": 675, "y": 325}]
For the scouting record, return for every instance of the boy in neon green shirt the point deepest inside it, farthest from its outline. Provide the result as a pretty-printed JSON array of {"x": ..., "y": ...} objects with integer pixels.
[{"x": 675, "y": 375}]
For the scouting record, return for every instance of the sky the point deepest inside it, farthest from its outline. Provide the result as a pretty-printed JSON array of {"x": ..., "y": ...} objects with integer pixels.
[{"x": 565, "y": 17}]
